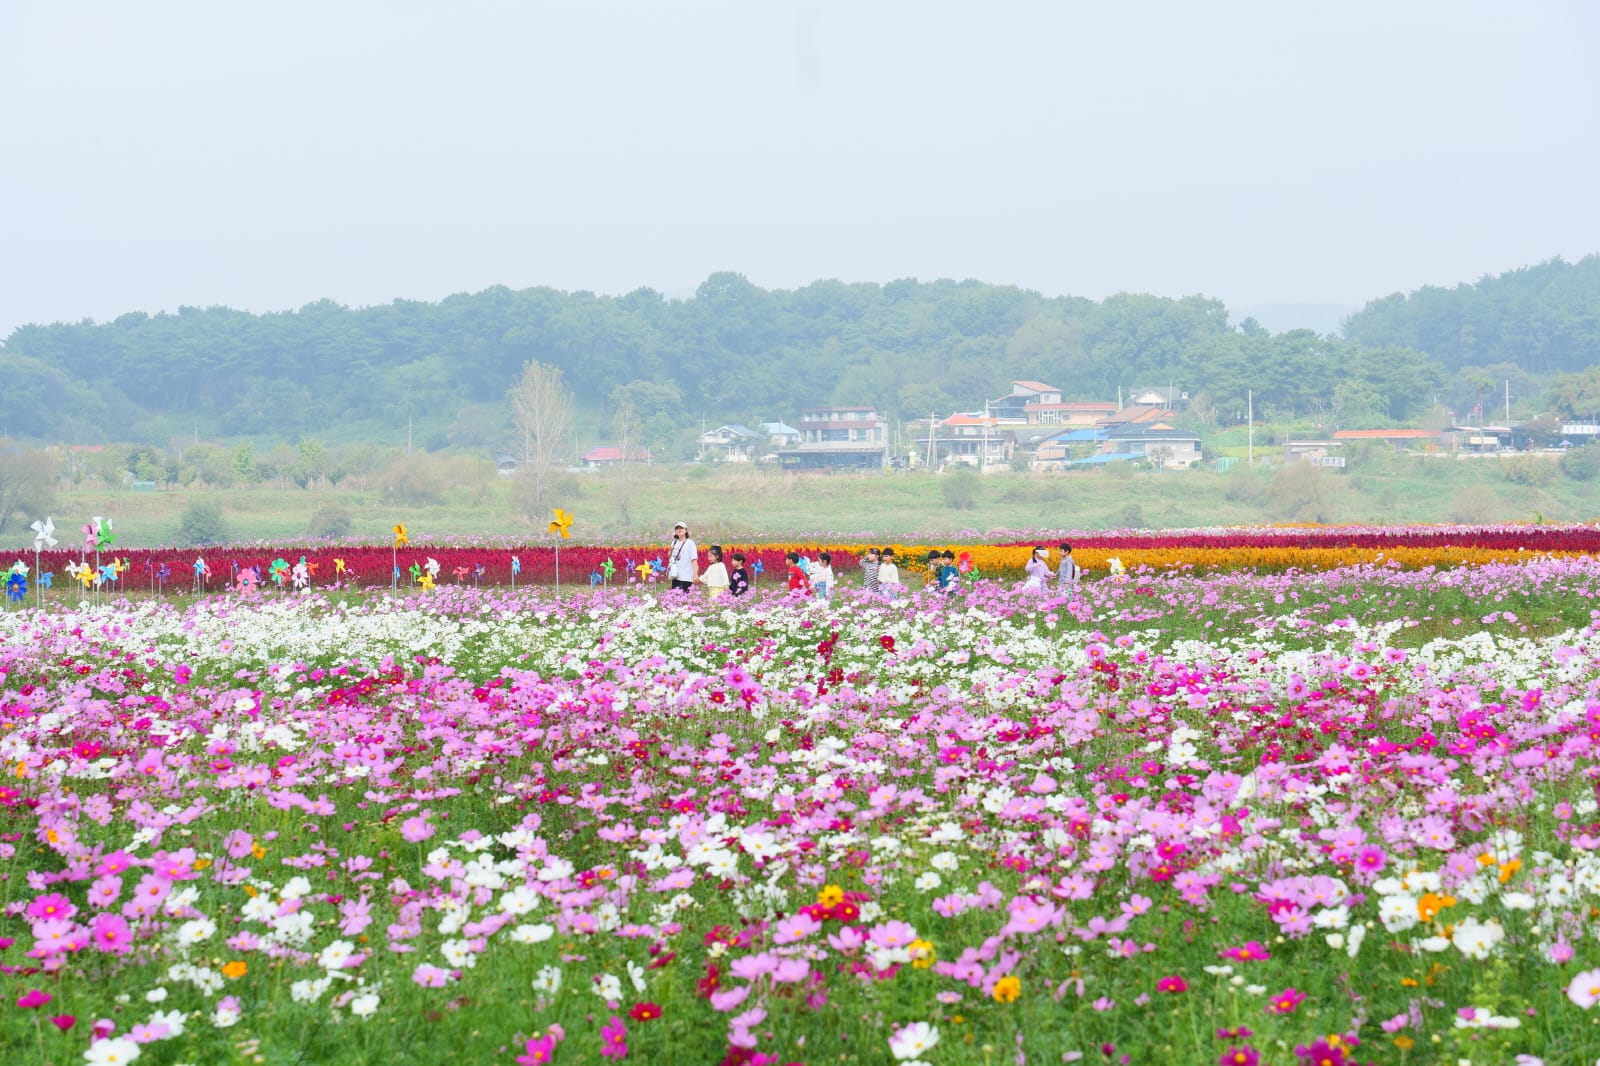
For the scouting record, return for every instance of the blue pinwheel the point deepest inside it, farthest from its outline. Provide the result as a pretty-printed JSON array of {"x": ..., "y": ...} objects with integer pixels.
[
  {"x": 516, "y": 566},
  {"x": 108, "y": 573},
  {"x": 758, "y": 568},
  {"x": 47, "y": 579},
  {"x": 657, "y": 565},
  {"x": 595, "y": 577}
]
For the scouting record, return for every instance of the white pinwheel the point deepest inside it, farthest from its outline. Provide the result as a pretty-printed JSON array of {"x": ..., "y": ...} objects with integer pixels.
[
  {"x": 44, "y": 535},
  {"x": 432, "y": 567}
]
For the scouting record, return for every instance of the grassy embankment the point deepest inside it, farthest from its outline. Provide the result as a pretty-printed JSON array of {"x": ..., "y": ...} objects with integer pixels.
[{"x": 744, "y": 503}]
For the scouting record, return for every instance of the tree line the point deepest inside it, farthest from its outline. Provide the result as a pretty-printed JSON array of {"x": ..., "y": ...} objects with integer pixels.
[{"x": 735, "y": 351}]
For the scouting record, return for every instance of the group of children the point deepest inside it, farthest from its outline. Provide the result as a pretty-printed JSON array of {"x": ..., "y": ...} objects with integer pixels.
[{"x": 879, "y": 569}]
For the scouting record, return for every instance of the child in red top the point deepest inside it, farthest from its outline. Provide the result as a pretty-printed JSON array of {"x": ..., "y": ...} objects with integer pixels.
[{"x": 798, "y": 578}]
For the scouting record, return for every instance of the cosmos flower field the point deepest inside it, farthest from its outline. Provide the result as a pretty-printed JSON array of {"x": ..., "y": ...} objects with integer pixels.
[{"x": 1236, "y": 817}]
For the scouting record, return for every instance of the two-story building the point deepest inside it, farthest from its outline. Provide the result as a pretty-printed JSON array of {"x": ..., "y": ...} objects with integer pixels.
[
  {"x": 729, "y": 444},
  {"x": 840, "y": 437},
  {"x": 969, "y": 438}
]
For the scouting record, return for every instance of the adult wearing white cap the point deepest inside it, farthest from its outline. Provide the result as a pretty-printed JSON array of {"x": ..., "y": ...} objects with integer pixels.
[{"x": 683, "y": 559}]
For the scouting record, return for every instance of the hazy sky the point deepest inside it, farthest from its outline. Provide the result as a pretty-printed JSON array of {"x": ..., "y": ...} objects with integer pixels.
[{"x": 157, "y": 154}]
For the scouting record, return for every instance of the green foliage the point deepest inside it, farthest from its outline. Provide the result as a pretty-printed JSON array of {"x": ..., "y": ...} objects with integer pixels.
[
  {"x": 1528, "y": 470},
  {"x": 1582, "y": 464},
  {"x": 330, "y": 523},
  {"x": 27, "y": 484},
  {"x": 1542, "y": 319},
  {"x": 201, "y": 525},
  {"x": 736, "y": 350},
  {"x": 244, "y": 465},
  {"x": 959, "y": 485}
]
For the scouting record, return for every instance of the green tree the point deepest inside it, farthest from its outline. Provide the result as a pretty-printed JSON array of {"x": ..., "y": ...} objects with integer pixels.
[{"x": 244, "y": 465}]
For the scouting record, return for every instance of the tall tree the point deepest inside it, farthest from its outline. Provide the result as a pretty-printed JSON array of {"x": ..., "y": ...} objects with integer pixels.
[{"x": 541, "y": 409}]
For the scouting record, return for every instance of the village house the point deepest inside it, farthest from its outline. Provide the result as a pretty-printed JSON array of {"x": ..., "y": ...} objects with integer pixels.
[{"x": 841, "y": 437}]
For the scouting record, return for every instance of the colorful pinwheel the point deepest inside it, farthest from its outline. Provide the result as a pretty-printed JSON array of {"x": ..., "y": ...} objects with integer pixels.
[
  {"x": 658, "y": 565},
  {"x": 432, "y": 567},
  {"x": 106, "y": 575},
  {"x": 644, "y": 571},
  {"x": 416, "y": 571},
  {"x": 338, "y": 568},
  {"x": 608, "y": 568},
  {"x": 964, "y": 562},
  {"x": 248, "y": 579},
  {"x": 16, "y": 587},
  {"x": 106, "y": 536},
  {"x": 47, "y": 579},
  {"x": 595, "y": 577},
  {"x": 561, "y": 524},
  {"x": 426, "y": 580},
  {"x": 401, "y": 537},
  {"x": 461, "y": 573},
  {"x": 91, "y": 535},
  {"x": 44, "y": 535},
  {"x": 278, "y": 571}
]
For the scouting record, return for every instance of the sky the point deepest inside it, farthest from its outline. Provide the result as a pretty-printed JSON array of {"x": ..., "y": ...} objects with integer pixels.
[{"x": 263, "y": 156}]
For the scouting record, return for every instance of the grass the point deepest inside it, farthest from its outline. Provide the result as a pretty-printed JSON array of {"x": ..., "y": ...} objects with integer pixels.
[{"x": 755, "y": 503}]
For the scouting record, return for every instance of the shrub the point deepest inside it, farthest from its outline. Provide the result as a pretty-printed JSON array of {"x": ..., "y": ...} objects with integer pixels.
[
  {"x": 1476, "y": 505},
  {"x": 959, "y": 486},
  {"x": 1528, "y": 470},
  {"x": 331, "y": 522},
  {"x": 1582, "y": 464},
  {"x": 201, "y": 525}
]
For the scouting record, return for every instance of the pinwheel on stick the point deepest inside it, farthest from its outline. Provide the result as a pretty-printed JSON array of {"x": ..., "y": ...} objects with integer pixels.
[
  {"x": 516, "y": 568},
  {"x": 278, "y": 571},
  {"x": 401, "y": 539},
  {"x": 561, "y": 529},
  {"x": 202, "y": 573},
  {"x": 44, "y": 536},
  {"x": 608, "y": 568},
  {"x": 17, "y": 584}
]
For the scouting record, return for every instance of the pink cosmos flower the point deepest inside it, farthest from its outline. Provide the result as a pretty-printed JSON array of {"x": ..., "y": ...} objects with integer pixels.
[
  {"x": 1286, "y": 1002},
  {"x": 539, "y": 1051},
  {"x": 1253, "y": 951},
  {"x": 33, "y": 999},
  {"x": 429, "y": 976},
  {"x": 1244, "y": 1055},
  {"x": 1585, "y": 989},
  {"x": 1173, "y": 984},
  {"x": 614, "y": 1039}
]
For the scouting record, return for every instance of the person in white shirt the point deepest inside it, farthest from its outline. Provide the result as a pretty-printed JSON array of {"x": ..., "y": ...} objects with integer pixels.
[
  {"x": 889, "y": 574},
  {"x": 683, "y": 559},
  {"x": 715, "y": 579},
  {"x": 821, "y": 575}
]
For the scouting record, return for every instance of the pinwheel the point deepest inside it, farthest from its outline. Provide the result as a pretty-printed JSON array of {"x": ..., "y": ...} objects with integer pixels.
[
  {"x": 91, "y": 535},
  {"x": 461, "y": 573},
  {"x": 162, "y": 576},
  {"x": 43, "y": 537},
  {"x": 595, "y": 577},
  {"x": 202, "y": 572},
  {"x": 432, "y": 567},
  {"x": 560, "y": 527},
  {"x": 106, "y": 574},
  {"x": 608, "y": 568},
  {"x": 416, "y": 572},
  {"x": 964, "y": 562},
  {"x": 758, "y": 568},
  {"x": 338, "y": 568},
  {"x": 301, "y": 574},
  {"x": 46, "y": 580},
  {"x": 658, "y": 565},
  {"x": 278, "y": 571},
  {"x": 426, "y": 581},
  {"x": 248, "y": 579},
  {"x": 477, "y": 574},
  {"x": 16, "y": 587},
  {"x": 106, "y": 536},
  {"x": 644, "y": 571},
  {"x": 401, "y": 539},
  {"x": 311, "y": 567},
  {"x": 83, "y": 573},
  {"x": 516, "y": 568}
]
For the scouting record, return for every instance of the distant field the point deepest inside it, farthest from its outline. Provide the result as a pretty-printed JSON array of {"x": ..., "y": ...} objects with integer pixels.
[{"x": 743, "y": 503}]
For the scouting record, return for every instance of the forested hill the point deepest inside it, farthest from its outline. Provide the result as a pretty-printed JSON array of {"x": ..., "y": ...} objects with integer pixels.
[
  {"x": 732, "y": 351},
  {"x": 1542, "y": 319}
]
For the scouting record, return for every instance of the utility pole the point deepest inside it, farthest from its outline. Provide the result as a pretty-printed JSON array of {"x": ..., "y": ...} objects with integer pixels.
[{"x": 1250, "y": 426}]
